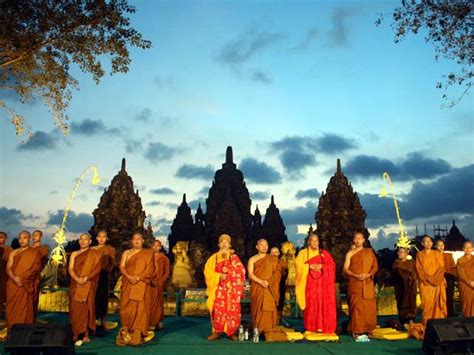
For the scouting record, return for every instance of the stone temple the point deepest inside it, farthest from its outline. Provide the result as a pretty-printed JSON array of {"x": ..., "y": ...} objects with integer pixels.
[{"x": 120, "y": 213}]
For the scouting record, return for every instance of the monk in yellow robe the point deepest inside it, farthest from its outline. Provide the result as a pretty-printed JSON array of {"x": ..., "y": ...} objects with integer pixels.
[
  {"x": 264, "y": 274},
  {"x": 465, "y": 268},
  {"x": 43, "y": 250},
  {"x": 431, "y": 282},
  {"x": 5, "y": 251},
  {"x": 23, "y": 267},
  {"x": 450, "y": 275},
  {"x": 138, "y": 270},
  {"x": 405, "y": 282},
  {"x": 84, "y": 268},
  {"x": 225, "y": 277},
  {"x": 103, "y": 288},
  {"x": 162, "y": 271},
  {"x": 360, "y": 267}
]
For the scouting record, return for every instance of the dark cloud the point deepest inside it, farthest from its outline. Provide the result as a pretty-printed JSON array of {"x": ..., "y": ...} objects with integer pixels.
[
  {"x": 294, "y": 161},
  {"x": 259, "y": 172},
  {"x": 383, "y": 240},
  {"x": 40, "y": 141},
  {"x": 195, "y": 203},
  {"x": 204, "y": 191},
  {"x": 299, "y": 215},
  {"x": 243, "y": 49},
  {"x": 309, "y": 193},
  {"x": 156, "y": 152},
  {"x": 414, "y": 166},
  {"x": 338, "y": 34},
  {"x": 330, "y": 143},
  {"x": 311, "y": 35},
  {"x": 133, "y": 146},
  {"x": 90, "y": 127},
  {"x": 190, "y": 171},
  {"x": 261, "y": 77},
  {"x": 172, "y": 205},
  {"x": 154, "y": 203},
  {"x": 12, "y": 221},
  {"x": 144, "y": 115},
  {"x": 75, "y": 223},
  {"x": 260, "y": 195},
  {"x": 163, "y": 191}
]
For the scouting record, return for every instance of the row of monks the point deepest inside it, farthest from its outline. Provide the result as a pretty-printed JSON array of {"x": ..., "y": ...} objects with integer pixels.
[{"x": 144, "y": 273}]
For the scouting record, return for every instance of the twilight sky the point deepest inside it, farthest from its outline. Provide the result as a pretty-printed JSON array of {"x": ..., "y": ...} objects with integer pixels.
[{"x": 291, "y": 85}]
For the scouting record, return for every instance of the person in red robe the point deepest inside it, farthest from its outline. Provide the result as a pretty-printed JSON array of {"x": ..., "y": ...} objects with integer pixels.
[
  {"x": 225, "y": 277},
  {"x": 316, "y": 287}
]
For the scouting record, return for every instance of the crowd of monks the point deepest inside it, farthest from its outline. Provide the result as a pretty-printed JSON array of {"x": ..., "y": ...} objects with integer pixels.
[{"x": 144, "y": 273}]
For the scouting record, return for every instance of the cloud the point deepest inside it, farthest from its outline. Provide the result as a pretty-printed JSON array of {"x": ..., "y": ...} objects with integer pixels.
[
  {"x": 190, "y": 171},
  {"x": 414, "y": 166},
  {"x": 241, "y": 50},
  {"x": 330, "y": 143},
  {"x": 309, "y": 193},
  {"x": 76, "y": 222},
  {"x": 311, "y": 35},
  {"x": 40, "y": 141},
  {"x": 133, "y": 146},
  {"x": 338, "y": 34},
  {"x": 260, "y": 195},
  {"x": 260, "y": 77},
  {"x": 12, "y": 221},
  {"x": 195, "y": 203},
  {"x": 259, "y": 172},
  {"x": 144, "y": 115},
  {"x": 90, "y": 127},
  {"x": 154, "y": 203},
  {"x": 156, "y": 152},
  {"x": 204, "y": 191},
  {"x": 163, "y": 191},
  {"x": 299, "y": 215}
]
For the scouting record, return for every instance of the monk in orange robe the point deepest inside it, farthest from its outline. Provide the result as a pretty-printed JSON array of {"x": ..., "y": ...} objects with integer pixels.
[
  {"x": 465, "y": 268},
  {"x": 450, "y": 275},
  {"x": 264, "y": 274},
  {"x": 405, "y": 282},
  {"x": 284, "y": 275},
  {"x": 23, "y": 267},
  {"x": 84, "y": 268},
  {"x": 360, "y": 267},
  {"x": 5, "y": 251},
  {"x": 138, "y": 270},
  {"x": 106, "y": 266},
  {"x": 43, "y": 250},
  {"x": 162, "y": 271},
  {"x": 431, "y": 282},
  {"x": 225, "y": 277}
]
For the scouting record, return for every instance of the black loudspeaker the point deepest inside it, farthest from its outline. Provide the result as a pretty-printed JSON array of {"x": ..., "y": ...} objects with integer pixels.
[
  {"x": 47, "y": 339},
  {"x": 449, "y": 336}
]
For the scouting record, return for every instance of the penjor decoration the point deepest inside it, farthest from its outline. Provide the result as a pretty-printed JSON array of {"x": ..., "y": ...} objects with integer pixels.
[
  {"x": 58, "y": 255},
  {"x": 403, "y": 240}
]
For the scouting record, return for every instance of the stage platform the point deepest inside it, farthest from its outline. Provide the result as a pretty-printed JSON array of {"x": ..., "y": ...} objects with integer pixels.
[{"x": 187, "y": 336}]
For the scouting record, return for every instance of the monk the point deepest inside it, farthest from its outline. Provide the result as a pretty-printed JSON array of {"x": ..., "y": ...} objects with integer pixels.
[
  {"x": 360, "y": 267},
  {"x": 404, "y": 277},
  {"x": 316, "y": 287},
  {"x": 162, "y": 271},
  {"x": 138, "y": 270},
  {"x": 225, "y": 278},
  {"x": 5, "y": 251},
  {"x": 284, "y": 275},
  {"x": 107, "y": 264},
  {"x": 43, "y": 250},
  {"x": 84, "y": 268},
  {"x": 431, "y": 282},
  {"x": 264, "y": 274},
  {"x": 465, "y": 267},
  {"x": 449, "y": 276},
  {"x": 23, "y": 267}
]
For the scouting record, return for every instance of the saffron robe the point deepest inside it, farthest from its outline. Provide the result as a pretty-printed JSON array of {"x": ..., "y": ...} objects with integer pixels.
[
  {"x": 465, "y": 268},
  {"x": 19, "y": 305},
  {"x": 450, "y": 277},
  {"x": 316, "y": 290},
  {"x": 362, "y": 300},
  {"x": 4, "y": 254},
  {"x": 404, "y": 277},
  {"x": 432, "y": 284},
  {"x": 162, "y": 271},
  {"x": 283, "y": 278},
  {"x": 107, "y": 264},
  {"x": 223, "y": 296},
  {"x": 264, "y": 301},
  {"x": 82, "y": 297},
  {"x": 135, "y": 299},
  {"x": 44, "y": 252}
]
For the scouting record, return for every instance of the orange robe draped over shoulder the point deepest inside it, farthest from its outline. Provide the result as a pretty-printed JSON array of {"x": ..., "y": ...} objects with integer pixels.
[
  {"x": 44, "y": 252},
  {"x": 82, "y": 298},
  {"x": 465, "y": 269},
  {"x": 162, "y": 271},
  {"x": 362, "y": 300},
  {"x": 135, "y": 299},
  {"x": 404, "y": 277},
  {"x": 107, "y": 264},
  {"x": 264, "y": 301},
  {"x": 4, "y": 254},
  {"x": 19, "y": 308},
  {"x": 432, "y": 284}
]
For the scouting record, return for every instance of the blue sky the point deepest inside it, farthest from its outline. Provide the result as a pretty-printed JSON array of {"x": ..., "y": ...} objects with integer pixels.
[{"x": 291, "y": 85}]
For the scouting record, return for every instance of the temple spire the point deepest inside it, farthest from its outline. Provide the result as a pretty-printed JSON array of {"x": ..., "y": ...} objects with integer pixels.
[
  {"x": 184, "y": 198},
  {"x": 229, "y": 156},
  {"x": 338, "y": 169},
  {"x": 272, "y": 202},
  {"x": 123, "y": 165}
]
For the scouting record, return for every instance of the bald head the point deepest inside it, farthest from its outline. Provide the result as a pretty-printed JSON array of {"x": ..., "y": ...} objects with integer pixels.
[
  {"x": 24, "y": 239},
  {"x": 262, "y": 246},
  {"x": 275, "y": 251}
]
